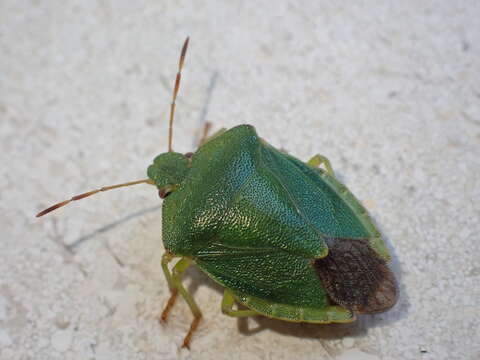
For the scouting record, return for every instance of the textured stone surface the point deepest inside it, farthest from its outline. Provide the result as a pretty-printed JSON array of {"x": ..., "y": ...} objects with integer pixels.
[{"x": 389, "y": 91}]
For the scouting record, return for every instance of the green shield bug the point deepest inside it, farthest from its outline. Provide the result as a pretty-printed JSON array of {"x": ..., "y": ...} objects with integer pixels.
[{"x": 284, "y": 238}]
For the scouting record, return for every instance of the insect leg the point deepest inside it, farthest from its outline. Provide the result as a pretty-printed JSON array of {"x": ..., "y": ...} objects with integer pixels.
[
  {"x": 166, "y": 258},
  {"x": 227, "y": 306},
  {"x": 205, "y": 138},
  {"x": 318, "y": 160},
  {"x": 178, "y": 269}
]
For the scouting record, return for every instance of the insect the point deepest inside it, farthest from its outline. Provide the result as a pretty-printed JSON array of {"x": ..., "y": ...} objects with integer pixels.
[{"x": 284, "y": 238}]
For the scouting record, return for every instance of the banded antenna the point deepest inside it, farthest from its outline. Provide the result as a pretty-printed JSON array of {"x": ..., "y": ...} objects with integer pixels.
[
  {"x": 175, "y": 92},
  {"x": 144, "y": 181}
]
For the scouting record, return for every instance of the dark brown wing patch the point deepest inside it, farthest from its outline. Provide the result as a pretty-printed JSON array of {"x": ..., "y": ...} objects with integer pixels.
[{"x": 355, "y": 277}]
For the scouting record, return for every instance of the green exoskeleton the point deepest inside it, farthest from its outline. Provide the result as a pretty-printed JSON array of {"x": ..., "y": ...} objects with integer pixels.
[{"x": 283, "y": 237}]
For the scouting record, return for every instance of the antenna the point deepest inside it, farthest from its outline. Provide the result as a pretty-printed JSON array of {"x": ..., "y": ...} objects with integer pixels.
[
  {"x": 144, "y": 181},
  {"x": 90, "y": 193},
  {"x": 175, "y": 92}
]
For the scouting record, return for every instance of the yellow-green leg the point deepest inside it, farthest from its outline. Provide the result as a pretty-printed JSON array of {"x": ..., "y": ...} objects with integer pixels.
[
  {"x": 318, "y": 160},
  {"x": 227, "y": 306},
  {"x": 166, "y": 258},
  {"x": 174, "y": 280}
]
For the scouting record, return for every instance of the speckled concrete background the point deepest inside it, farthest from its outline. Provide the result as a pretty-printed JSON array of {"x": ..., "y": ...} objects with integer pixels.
[{"x": 389, "y": 91}]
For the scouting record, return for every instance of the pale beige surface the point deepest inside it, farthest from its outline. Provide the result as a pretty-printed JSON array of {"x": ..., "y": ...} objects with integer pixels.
[{"x": 390, "y": 93}]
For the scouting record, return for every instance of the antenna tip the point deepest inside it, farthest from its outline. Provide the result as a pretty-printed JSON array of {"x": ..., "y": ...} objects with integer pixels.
[
  {"x": 184, "y": 50},
  {"x": 41, "y": 213}
]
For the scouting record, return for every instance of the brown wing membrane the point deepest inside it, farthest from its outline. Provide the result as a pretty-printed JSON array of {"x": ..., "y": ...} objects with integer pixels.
[{"x": 355, "y": 277}]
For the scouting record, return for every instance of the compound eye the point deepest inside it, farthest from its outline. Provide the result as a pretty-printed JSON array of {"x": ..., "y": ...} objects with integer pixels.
[{"x": 164, "y": 192}]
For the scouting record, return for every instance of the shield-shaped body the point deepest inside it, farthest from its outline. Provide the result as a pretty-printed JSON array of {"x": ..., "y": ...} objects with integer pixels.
[{"x": 288, "y": 239}]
